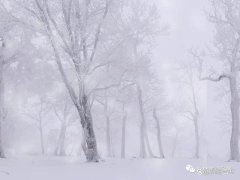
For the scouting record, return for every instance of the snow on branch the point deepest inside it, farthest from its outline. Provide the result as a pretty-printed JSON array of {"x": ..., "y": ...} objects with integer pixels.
[{"x": 212, "y": 76}]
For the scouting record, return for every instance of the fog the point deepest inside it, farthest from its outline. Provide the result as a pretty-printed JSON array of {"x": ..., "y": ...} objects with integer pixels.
[{"x": 107, "y": 80}]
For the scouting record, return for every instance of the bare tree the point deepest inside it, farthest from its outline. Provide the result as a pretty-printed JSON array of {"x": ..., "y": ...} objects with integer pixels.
[
  {"x": 194, "y": 116},
  {"x": 226, "y": 18},
  {"x": 104, "y": 101},
  {"x": 192, "y": 113},
  {"x": 63, "y": 115},
  {"x": 144, "y": 23},
  {"x": 4, "y": 62},
  {"x": 38, "y": 117},
  {"x": 79, "y": 40}
]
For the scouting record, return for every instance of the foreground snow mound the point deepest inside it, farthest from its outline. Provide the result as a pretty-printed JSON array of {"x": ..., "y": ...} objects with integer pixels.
[{"x": 53, "y": 168}]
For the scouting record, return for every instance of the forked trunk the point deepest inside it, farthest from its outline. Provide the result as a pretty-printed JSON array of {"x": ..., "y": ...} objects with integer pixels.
[{"x": 90, "y": 145}]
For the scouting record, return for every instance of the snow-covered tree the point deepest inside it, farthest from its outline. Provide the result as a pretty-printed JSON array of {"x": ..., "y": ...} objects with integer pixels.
[
  {"x": 73, "y": 29},
  {"x": 6, "y": 58},
  {"x": 188, "y": 78},
  {"x": 225, "y": 16},
  {"x": 141, "y": 27}
]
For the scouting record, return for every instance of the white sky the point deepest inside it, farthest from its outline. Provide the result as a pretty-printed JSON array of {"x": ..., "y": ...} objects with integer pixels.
[{"x": 189, "y": 27}]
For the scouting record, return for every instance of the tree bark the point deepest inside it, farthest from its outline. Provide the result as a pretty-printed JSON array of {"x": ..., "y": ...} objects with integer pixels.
[
  {"x": 90, "y": 145},
  {"x": 158, "y": 134}
]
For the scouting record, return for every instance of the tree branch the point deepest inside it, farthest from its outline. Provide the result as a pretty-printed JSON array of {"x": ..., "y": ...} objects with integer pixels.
[
  {"x": 57, "y": 55},
  {"x": 98, "y": 31},
  {"x": 210, "y": 77}
]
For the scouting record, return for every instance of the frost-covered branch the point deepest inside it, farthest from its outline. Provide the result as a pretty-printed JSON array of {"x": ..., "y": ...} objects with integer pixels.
[{"x": 211, "y": 77}]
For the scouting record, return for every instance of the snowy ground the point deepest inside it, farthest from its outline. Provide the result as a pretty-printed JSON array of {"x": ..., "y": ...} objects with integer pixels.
[{"x": 52, "y": 168}]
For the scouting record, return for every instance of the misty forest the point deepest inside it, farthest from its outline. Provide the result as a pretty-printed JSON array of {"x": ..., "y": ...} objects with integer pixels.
[{"x": 118, "y": 89}]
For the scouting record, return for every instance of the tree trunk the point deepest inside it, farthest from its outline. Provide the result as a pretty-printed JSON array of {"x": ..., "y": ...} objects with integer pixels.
[
  {"x": 234, "y": 147},
  {"x": 41, "y": 137},
  {"x": 143, "y": 131},
  {"x": 62, "y": 144},
  {"x": 142, "y": 142},
  {"x": 196, "y": 130},
  {"x": 1, "y": 105},
  {"x": 175, "y": 144},
  {"x": 61, "y": 141},
  {"x": 81, "y": 104},
  {"x": 60, "y": 148},
  {"x": 147, "y": 142},
  {"x": 195, "y": 120},
  {"x": 90, "y": 145},
  {"x": 123, "y": 136},
  {"x": 158, "y": 134},
  {"x": 108, "y": 138},
  {"x": 108, "y": 128}
]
